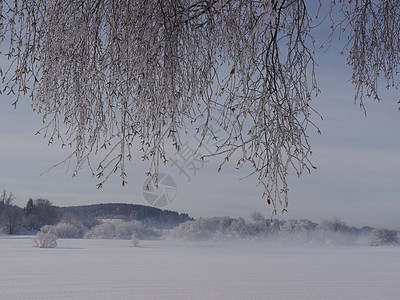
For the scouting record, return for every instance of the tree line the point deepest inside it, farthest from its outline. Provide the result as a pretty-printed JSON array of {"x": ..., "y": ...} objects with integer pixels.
[
  {"x": 297, "y": 231},
  {"x": 36, "y": 214},
  {"x": 40, "y": 212}
]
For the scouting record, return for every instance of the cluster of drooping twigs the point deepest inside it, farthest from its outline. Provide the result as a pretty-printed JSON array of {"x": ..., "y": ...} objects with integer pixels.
[
  {"x": 373, "y": 43},
  {"x": 107, "y": 73}
]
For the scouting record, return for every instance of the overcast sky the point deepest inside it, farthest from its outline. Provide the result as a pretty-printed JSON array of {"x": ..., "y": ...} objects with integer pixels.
[{"x": 357, "y": 179}]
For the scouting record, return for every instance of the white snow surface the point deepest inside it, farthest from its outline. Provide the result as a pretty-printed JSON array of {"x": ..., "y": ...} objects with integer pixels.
[{"x": 171, "y": 269}]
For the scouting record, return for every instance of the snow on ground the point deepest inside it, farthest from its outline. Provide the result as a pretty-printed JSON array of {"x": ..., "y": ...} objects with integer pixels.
[{"x": 169, "y": 269}]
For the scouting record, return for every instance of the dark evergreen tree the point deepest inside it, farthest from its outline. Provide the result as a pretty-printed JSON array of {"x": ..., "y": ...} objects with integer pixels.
[
  {"x": 41, "y": 212},
  {"x": 29, "y": 207}
]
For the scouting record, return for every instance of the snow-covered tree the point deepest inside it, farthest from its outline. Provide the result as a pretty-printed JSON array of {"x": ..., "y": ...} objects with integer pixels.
[
  {"x": 117, "y": 229},
  {"x": 335, "y": 225},
  {"x": 134, "y": 240},
  {"x": 45, "y": 238},
  {"x": 298, "y": 226},
  {"x": 10, "y": 214},
  {"x": 106, "y": 73},
  {"x": 383, "y": 236},
  {"x": 66, "y": 230}
]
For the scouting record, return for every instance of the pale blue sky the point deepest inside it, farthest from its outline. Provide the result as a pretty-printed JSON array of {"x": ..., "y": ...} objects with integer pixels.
[{"x": 357, "y": 158}]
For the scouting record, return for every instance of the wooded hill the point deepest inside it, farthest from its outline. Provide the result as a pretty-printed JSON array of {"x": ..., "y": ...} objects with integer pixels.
[{"x": 148, "y": 215}]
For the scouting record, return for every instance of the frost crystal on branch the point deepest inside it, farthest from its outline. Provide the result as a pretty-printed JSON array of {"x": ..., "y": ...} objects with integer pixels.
[{"x": 106, "y": 73}]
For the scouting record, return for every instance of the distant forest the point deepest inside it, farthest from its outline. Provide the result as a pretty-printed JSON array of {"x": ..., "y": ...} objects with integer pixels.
[
  {"x": 139, "y": 222},
  {"x": 151, "y": 216},
  {"x": 41, "y": 212}
]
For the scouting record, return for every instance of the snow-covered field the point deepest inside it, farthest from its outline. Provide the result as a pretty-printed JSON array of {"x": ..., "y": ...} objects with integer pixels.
[{"x": 169, "y": 269}]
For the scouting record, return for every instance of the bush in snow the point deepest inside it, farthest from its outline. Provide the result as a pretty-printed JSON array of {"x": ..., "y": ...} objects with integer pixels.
[
  {"x": 335, "y": 225},
  {"x": 64, "y": 230},
  {"x": 260, "y": 226},
  {"x": 336, "y": 232},
  {"x": 382, "y": 236},
  {"x": 302, "y": 226},
  {"x": 223, "y": 228},
  {"x": 296, "y": 231},
  {"x": 117, "y": 229},
  {"x": 135, "y": 241},
  {"x": 45, "y": 240},
  {"x": 207, "y": 228}
]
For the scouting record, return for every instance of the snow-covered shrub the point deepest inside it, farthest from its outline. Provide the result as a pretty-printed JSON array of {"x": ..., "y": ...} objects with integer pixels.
[
  {"x": 301, "y": 226},
  {"x": 383, "y": 236},
  {"x": 208, "y": 228},
  {"x": 259, "y": 225},
  {"x": 117, "y": 229},
  {"x": 45, "y": 240},
  {"x": 257, "y": 216},
  {"x": 293, "y": 231},
  {"x": 335, "y": 225},
  {"x": 222, "y": 228},
  {"x": 336, "y": 232},
  {"x": 64, "y": 230},
  {"x": 135, "y": 241},
  {"x": 238, "y": 228},
  {"x": 192, "y": 230}
]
